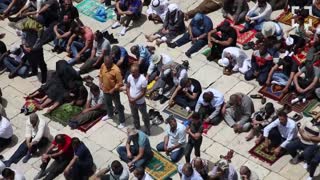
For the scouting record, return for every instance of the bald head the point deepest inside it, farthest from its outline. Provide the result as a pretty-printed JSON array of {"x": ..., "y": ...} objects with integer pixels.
[{"x": 198, "y": 164}]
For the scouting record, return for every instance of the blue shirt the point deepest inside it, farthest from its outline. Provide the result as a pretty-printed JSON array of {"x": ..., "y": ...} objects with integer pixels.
[
  {"x": 132, "y": 5},
  {"x": 83, "y": 154},
  {"x": 145, "y": 55},
  {"x": 142, "y": 142},
  {"x": 123, "y": 54},
  {"x": 199, "y": 28}
]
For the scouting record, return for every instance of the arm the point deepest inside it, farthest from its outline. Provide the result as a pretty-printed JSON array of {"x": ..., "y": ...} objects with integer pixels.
[
  {"x": 119, "y": 82},
  {"x": 43, "y": 9},
  {"x": 121, "y": 60},
  {"x": 79, "y": 22},
  {"x": 6, "y": 12},
  {"x": 253, "y": 9},
  {"x": 190, "y": 31},
  {"x": 239, "y": 5},
  {"x": 291, "y": 135},
  {"x": 225, "y": 43},
  {"x": 72, "y": 162},
  {"x": 275, "y": 67},
  {"x": 139, "y": 156},
  {"x": 71, "y": 40},
  {"x": 87, "y": 45},
  {"x": 100, "y": 58},
  {"x": 40, "y": 133},
  {"x": 88, "y": 103},
  {"x": 269, "y": 127},
  {"x": 312, "y": 85},
  {"x": 166, "y": 140},
  {"x": 93, "y": 52},
  {"x": 290, "y": 80},
  {"x": 216, "y": 112},
  {"x": 175, "y": 93},
  {"x": 295, "y": 80}
]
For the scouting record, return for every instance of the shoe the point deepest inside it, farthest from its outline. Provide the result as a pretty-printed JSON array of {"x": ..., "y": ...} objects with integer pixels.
[
  {"x": 123, "y": 31},
  {"x": 309, "y": 178},
  {"x": 121, "y": 126},
  {"x": 106, "y": 117},
  {"x": 26, "y": 158},
  {"x": 171, "y": 45},
  {"x": 59, "y": 50},
  {"x": 305, "y": 165},
  {"x": 247, "y": 46},
  {"x": 40, "y": 175},
  {"x": 116, "y": 25},
  {"x": 7, "y": 163},
  {"x": 188, "y": 55},
  {"x": 295, "y": 160}
]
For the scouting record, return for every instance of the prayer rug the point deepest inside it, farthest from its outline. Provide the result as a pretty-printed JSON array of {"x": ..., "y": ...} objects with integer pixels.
[
  {"x": 286, "y": 18},
  {"x": 274, "y": 92},
  {"x": 85, "y": 127},
  {"x": 259, "y": 151},
  {"x": 297, "y": 107},
  {"x": 160, "y": 167},
  {"x": 206, "y": 126},
  {"x": 313, "y": 110},
  {"x": 90, "y": 7},
  {"x": 300, "y": 58},
  {"x": 179, "y": 112},
  {"x": 64, "y": 113}
]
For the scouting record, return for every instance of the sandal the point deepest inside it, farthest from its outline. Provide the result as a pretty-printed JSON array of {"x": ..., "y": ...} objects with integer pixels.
[
  {"x": 263, "y": 100},
  {"x": 256, "y": 96}
]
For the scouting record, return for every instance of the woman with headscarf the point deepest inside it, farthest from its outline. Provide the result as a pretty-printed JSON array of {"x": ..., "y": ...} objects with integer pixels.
[
  {"x": 157, "y": 11},
  {"x": 173, "y": 25}
]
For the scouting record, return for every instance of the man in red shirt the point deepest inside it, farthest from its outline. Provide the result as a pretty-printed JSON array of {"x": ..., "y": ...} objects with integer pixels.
[{"x": 62, "y": 152}]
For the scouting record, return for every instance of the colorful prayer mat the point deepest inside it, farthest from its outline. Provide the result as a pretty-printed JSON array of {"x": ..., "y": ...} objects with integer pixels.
[
  {"x": 160, "y": 168},
  {"x": 274, "y": 92},
  {"x": 286, "y": 18},
  {"x": 297, "y": 107},
  {"x": 90, "y": 8},
  {"x": 64, "y": 113},
  {"x": 258, "y": 151},
  {"x": 179, "y": 112},
  {"x": 313, "y": 110}
]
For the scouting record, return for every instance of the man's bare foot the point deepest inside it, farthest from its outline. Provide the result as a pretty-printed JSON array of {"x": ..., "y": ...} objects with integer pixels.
[{"x": 158, "y": 42}]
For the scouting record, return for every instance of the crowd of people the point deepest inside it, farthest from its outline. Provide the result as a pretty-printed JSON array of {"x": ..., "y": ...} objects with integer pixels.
[{"x": 272, "y": 62}]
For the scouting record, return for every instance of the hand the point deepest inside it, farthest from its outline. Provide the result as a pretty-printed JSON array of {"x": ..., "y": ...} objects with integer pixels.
[
  {"x": 66, "y": 171},
  {"x": 277, "y": 151},
  {"x": 247, "y": 18},
  {"x": 68, "y": 49},
  {"x": 268, "y": 82},
  {"x": 45, "y": 157},
  {"x": 132, "y": 100},
  {"x": 164, "y": 31},
  {"x": 129, "y": 155},
  {"x": 130, "y": 164},
  {"x": 28, "y": 50},
  {"x": 209, "y": 44},
  {"x": 285, "y": 90}
]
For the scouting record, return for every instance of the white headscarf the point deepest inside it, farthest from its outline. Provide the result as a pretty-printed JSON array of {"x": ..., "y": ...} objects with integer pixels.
[{"x": 173, "y": 7}]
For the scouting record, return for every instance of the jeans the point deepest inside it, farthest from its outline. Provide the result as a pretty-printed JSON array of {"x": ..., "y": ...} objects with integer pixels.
[
  {"x": 262, "y": 76},
  {"x": 115, "y": 98},
  {"x": 196, "y": 144},
  {"x": 257, "y": 25},
  {"x": 122, "y": 151},
  {"x": 196, "y": 46},
  {"x": 135, "y": 108},
  {"x": 60, "y": 42},
  {"x": 308, "y": 150},
  {"x": 4, "y": 5},
  {"x": 184, "y": 101},
  {"x": 280, "y": 78},
  {"x": 314, "y": 164},
  {"x": 75, "y": 47},
  {"x": 175, "y": 155},
  {"x": 12, "y": 65},
  {"x": 23, "y": 150}
]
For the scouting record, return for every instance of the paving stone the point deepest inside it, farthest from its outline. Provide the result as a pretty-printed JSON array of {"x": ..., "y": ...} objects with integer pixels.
[
  {"x": 209, "y": 74},
  {"x": 241, "y": 145},
  {"x": 225, "y": 83},
  {"x": 274, "y": 176},
  {"x": 242, "y": 87},
  {"x": 292, "y": 171},
  {"x": 217, "y": 149},
  {"x": 225, "y": 136},
  {"x": 261, "y": 171}
]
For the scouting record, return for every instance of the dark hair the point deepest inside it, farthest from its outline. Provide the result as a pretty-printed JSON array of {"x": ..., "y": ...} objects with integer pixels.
[
  {"x": 195, "y": 115},
  {"x": 135, "y": 50},
  {"x": 282, "y": 114},
  {"x": 208, "y": 96},
  {"x": 59, "y": 139},
  {"x": 75, "y": 29},
  {"x": 99, "y": 35},
  {"x": 94, "y": 88},
  {"x": 116, "y": 167},
  {"x": 7, "y": 172},
  {"x": 170, "y": 119},
  {"x": 115, "y": 50},
  {"x": 75, "y": 141},
  {"x": 140, "y": 171},
  {"x": 184, "y": 82}
]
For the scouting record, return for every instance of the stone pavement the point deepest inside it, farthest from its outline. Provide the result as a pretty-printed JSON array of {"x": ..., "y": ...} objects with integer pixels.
[{"x": 104, "y": 137}]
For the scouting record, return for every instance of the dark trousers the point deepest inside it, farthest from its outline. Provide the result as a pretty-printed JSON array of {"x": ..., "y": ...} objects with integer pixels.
[
  {"x": 216, "y": 49},
  {"x": 23, "y": 150},
  {"x": 275, "y": 137},
  {"x": 196, "y": 144},
  {"x": 308, "y": 150},
  {"x": 81, "y": 171},
  {"x": 115, "y": 98},
  {"x": 107, "y": 2},
  {"x": 4, "y": 142},
  {"x": 184, "y": 101},
  {"x": 314, "y": 164},
  {"x": 205, "y": 111},
  {"x": 262, "y": 76},
  {"x": 129, "y": 18},
  {"x": 175, "y": 155},
  {"x": 36, "y": 59},
  {"x": 196, "y": 46},
  {"x": 57, "y": 167},
  {"x": 122, "y": 151}
]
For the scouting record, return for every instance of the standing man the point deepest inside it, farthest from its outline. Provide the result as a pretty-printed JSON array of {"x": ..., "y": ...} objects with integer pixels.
[
  {"x": 136, "y": 91},
  {"x": 110, "y": 83}
]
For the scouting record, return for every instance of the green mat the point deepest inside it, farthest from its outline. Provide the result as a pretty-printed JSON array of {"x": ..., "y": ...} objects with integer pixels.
[
  {"x": 64, "y": 113},
  {"x": 160, "y": 168},
  {"x": 312, "y": 110},
  {"x": 89, "y": 8},
  {"x": 206, "y": 52}
]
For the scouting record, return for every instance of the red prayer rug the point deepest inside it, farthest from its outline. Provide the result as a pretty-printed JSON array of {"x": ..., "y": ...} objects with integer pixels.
[
  {"x": 297, "y": 107},
  {"x": 273, "y": 91},
  {"x": 259, "y": 151}
]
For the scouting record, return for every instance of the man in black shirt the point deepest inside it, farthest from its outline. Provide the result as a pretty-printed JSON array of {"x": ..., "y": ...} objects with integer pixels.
[
  {"x": 194, "y": 130},
  {"x": 187, "y": 93},
  {"x": 285, "y": 76},
  {"x": 218, "y": 43}
]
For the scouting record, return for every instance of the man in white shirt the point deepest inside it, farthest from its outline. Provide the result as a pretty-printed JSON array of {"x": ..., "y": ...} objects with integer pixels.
[
  {"x": 136, "y": 91},
  {"x": 236, "y": 59},
  {"x": 101, "y": 47},
  {"x": 174, "y": 140},
  {"x": 209, "y": 106},
  {"x": 187, "y": 172},
  {"x": 280, "y": 133},
  {"x": 157, "y": 11},
  {"x": 140, "y": 174},
  {"x": 6, "y": 132},
  {"x": 37, "y": 137}
]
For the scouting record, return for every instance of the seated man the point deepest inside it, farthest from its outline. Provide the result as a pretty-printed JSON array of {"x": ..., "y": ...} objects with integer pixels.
[
  {"x": 115, "y": 169},
  {"x": 81, "y": 166},
  {"x": 120, "y": 57},
  {"x": 235, "y": 10},
  {"x": 309, "y": 138},
  {"x": 31, "y": 7},
  {"x": 140, "y": 174},
  {"x": 48, "y": 12},
  {"x": 37, "y": 137},
  {"x": 6, "y": 132},
  {"x": 143, "y": 55},
  {"x": 174, "y": 140},
  {"x": 205, "y": 7},
  {"x": 209, "y": 106},
  {"x": 138, "y": 154},
  {"x": 218, "y": 43},
  {"x": 186, "y": 94},
  {"x": 82, "y": 47},
  {"x": 201, "y": 166},
  {"x": 10, "y": 7},
  {"x": 285, "y": 76},
  {"x": 14, "y": 63},
  {"x": 159, "y": 67},
  {"x": 94, "y": 108},
  {"x": 260, "y": 12},
  {"x": 306, "y": 84},
  {"x": 280, "y": 133},
  {"x": 197, "y": 33},
  {"x": 234, "y": 59},
  {"x": 62, "y": 31},
  {"x": 261, "y": 64},
  {"x": 131, "y": 9},
  {"x": 10, "y": 174},
  {"x": 101, "y": 47},
  {"x": 62, "y": 152},
  {"x": 223, "y": 170},
  {"x": 186, "y": 172},
  {"x": 237, "y": 112},
  {"x": 157, "y": 11},
  {"x": 272, "y": 33},
  {"x": 247, "y": 173},
  {"x": 173, "y": 25}
]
